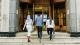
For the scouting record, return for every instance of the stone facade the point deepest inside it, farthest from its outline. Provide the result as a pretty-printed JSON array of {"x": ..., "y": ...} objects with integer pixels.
[
  {"x": 73, "y": 17},
  {"x": 9, "y": 18}
]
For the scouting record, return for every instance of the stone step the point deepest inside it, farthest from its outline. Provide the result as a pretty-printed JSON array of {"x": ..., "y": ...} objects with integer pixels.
[
  {"x": 47, "y": 36},
  {"x": 59, "y": 39},
  {"x": 34, "y": 35},
  {"x": 44, "y": 34},
  {"x": 35, "y": 44},
  {"x": 19, "y": 39},
  {"x": 23, "y": 41}
]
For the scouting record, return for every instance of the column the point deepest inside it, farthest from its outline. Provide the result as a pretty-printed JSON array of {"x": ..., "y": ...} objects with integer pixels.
[
  {"x": 68, "y": 16},
  {"x": 5, "y": 16},
  {"x": 74, "y": 17},
  {"x": 78, "y": 15},
  {"x": 50, "y": 12},
  {"x": 0, "y": 14},
  {"x": 9, "y": 18},
  {"x": 12, "y": 16}
]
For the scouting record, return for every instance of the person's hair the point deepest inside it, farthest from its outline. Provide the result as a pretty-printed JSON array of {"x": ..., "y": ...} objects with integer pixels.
[{"x": 28, "y": 16}]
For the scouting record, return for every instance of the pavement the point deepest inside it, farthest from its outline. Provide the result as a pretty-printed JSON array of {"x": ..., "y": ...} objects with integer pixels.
[{"x": 60, "y": 38}]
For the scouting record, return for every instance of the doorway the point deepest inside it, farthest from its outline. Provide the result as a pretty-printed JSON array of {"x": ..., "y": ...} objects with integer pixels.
[
  {"x": 43, "y": 10},
  {"x": 60, "y": 16}
]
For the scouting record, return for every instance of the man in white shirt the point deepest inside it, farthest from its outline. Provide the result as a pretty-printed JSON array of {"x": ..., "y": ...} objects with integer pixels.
[{"x": 50, "y": 27}]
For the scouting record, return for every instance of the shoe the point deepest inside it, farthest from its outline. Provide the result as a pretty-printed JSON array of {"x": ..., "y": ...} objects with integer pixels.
[
  {"x": 29, "y": 41},
  {"x": 50, "y": 38}
]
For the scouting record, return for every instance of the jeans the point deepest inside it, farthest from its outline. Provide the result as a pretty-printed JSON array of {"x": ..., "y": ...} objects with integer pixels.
[
  {"x": 39, "y": 28},
  {"x": 50, "y": 31}
]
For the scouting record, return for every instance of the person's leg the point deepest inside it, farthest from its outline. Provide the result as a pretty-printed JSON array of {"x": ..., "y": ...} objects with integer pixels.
[
  {"x": 51, "y": 30},
  {"x": 48, "y": 31},
  {"x": 28, "y": 38},
  {"x": 29, "y": 34},
  {"x": 38, "y": 31}
]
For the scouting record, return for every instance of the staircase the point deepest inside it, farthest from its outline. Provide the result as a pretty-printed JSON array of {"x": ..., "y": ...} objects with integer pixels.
[{"x": 59, "y": 39}]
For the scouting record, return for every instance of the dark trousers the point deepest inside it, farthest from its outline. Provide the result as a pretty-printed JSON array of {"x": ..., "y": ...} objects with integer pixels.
[
  {"x": 39, "y": 28},
  {"x": 50, "y": 31}
]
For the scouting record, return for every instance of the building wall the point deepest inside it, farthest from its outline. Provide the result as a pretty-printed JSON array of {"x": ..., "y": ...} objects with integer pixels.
[{"x": 8, "y": 17}]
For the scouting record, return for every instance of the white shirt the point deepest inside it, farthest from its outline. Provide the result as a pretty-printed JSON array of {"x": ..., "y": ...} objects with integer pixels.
[{"x": 48, "y": 25}]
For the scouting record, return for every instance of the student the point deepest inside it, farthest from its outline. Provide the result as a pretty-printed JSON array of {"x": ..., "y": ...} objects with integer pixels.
[
  {"x": 50, "y": 27},
  {"x": 28, "y": 24}
]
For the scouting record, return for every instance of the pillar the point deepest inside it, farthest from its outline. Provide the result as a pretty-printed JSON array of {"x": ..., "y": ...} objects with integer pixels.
[
  {"x": 73, "y": 20},
  {"x": 51, "y": 9},
  {"x": 8, "y": 13},
  {"x": 0, "y": 14}
]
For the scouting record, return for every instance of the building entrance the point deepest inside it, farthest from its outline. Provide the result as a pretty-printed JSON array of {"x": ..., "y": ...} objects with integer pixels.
[
  {"x": 59, "y": 13},
  {"x": 60, "y": 16}
]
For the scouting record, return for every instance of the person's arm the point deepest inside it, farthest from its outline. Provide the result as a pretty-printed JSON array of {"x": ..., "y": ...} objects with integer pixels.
[
  {"x": 24, "y": 25},
  {"x": 35, "y": 20}
]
